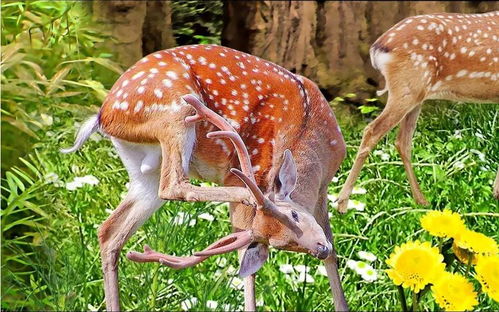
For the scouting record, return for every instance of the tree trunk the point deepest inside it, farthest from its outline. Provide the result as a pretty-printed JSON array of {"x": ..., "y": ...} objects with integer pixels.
[
  {"x": 157, "y": 29},
  {"x": 137, "y": 27},
  {"x": 326, "y": 41}
]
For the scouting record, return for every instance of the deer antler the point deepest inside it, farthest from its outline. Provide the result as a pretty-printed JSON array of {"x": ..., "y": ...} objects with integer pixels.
[
  {"x": 226, "y": 244},
  {"x": 247, "y": 175}
]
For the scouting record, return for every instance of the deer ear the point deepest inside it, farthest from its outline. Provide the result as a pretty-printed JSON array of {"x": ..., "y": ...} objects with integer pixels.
[
  {"x": 255, "y": 256},
  {"x": 287, "y": 175}
]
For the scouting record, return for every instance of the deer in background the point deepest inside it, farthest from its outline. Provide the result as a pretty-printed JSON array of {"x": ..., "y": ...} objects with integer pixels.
[
  {"x": 437, "y": 56},
  {"x": 285, "y": 139}
]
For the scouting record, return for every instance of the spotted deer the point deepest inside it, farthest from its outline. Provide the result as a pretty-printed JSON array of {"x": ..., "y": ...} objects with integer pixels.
[
  {"x": 162, "y": 116},
  {"x": 437, "y": 56}
]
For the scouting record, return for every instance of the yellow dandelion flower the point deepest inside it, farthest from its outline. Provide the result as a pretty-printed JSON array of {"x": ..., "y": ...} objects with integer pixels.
[
  {"x": 463, "y": 254},
  {"x": 487, "y": 273},
  {"x": 476, "y": 242},
  {"x": 414, "y": 265},
  {"x": 442, "y": 223},
  {"x": 453, "y": 292}
]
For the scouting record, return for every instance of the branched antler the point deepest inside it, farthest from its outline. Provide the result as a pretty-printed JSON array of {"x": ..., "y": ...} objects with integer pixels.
[
  {"x": 247, "y": 175},
  {"x": 226, "y": 244}
]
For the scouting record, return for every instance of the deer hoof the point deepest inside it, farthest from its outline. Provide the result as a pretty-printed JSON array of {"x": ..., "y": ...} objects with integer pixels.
[{"x": 342, "y": 206}]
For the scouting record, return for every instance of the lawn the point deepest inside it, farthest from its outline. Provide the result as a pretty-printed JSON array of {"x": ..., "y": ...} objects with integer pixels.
[{"x": 55, "y": 263}]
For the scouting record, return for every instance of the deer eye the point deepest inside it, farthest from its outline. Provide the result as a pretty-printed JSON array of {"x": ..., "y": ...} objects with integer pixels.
[{"x": 294, "y": 215}]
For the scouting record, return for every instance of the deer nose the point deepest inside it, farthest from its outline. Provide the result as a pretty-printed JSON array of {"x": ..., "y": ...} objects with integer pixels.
[{"x": 322, "y": 252}]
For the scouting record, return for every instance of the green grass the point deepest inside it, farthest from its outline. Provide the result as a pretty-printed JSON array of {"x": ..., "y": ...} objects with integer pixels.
[{"x": 51, "y": 258}]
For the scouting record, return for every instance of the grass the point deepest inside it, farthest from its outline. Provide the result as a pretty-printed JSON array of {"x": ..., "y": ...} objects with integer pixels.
[{"x": 51, "y": 259}]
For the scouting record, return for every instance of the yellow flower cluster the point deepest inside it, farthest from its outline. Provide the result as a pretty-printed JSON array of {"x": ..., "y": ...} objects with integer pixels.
[
  {"x": 448, "y": 224},
  {"x": 416, "y": 264},
  {"x": 442, "y": 223},
  {"x": 487, "y": 273},
  {"x": 453, "y": 292}
]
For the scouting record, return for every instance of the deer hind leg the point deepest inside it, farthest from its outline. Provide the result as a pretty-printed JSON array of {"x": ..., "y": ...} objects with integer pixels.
[
  {"x": 176, "y": 151},
  {"x": 398, "y": 105},
  {"x": 141, "y": 201},
  {"x": 404, "y": 147},
  {"x": 496, "y": 185}
]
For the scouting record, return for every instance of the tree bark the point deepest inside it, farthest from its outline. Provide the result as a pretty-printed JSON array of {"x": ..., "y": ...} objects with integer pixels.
[
  {"x": 136, "y": 27},
  {"x": 326, "y": 41},
  {"x": 157, "y": 30}
]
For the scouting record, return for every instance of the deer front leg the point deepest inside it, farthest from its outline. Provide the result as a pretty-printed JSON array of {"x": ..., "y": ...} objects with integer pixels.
[
  {"x": 174, "y": 184},
  {"x": 249, "y": 287},
  {"x": 404, "y": 147},
  {"x": 331, "y": 263}
]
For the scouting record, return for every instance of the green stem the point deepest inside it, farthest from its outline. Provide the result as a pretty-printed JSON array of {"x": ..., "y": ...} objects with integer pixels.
[
  {"x": 440, "y": 244},
  {"x": 415, "y": 302},
  {"x": 468, "y": 266},
  {"x": 403, "y": 302}
]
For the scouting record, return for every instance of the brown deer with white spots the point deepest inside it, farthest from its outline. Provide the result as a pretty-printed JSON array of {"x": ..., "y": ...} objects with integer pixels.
[
  {"x": 438, "y": 56},
  {"x": 162, "y": 115}
]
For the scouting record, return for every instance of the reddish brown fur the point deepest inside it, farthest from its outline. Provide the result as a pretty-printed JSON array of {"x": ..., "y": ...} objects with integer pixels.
[
  {"x": 446, "y": 49},
  {"x": 273, "y": 117}
]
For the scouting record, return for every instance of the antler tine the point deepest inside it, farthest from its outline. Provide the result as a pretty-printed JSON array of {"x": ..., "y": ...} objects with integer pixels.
[
  {"x": 266, "y": 203},
  {"x": 241, "y": 150},
  {"x": 226, "y": 244},
  {"x": 251, "y": 184}
]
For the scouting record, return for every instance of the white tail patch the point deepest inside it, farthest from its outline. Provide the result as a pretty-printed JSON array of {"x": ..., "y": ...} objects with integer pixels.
[
  {"x": 90, "y": 126},
  {"x": 379, "y": 59}
]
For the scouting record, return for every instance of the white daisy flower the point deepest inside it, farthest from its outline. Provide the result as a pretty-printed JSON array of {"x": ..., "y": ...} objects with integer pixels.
[
  {"x": 359, "y": 190},
  {"x": 369, "y": 275},
  {"x": 301, "y": 268},
  {"x": 221, "y": 262},
  {"x": 188, "y": 303},
  {"x": 305, "y": 278},
  {"x": 357, "y": 205},
  {"x": 51, "y": 177},
  {"x": 236, "y": 283},
  {"x": 211, "y": 304},
  {"x": 366, "y": 255},
  {"x": 352, "y": 264},
  {"x": 286, "y": 268},
  {"x": 88, "y": 179},
  {"x": 71, "y": 186},
  {"x": 206, "y": 216},
  {"x": 361, "y": 266},
  {"x": 332, "y": 197},
  {"x": 180, "y": 218},
  {"x": 321, "y": 270}
]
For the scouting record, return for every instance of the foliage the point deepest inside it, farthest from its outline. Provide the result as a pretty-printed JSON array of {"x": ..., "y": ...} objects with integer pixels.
[
  {"x": 197, "y": 21},
  {"x": 49, "y": 60}
]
